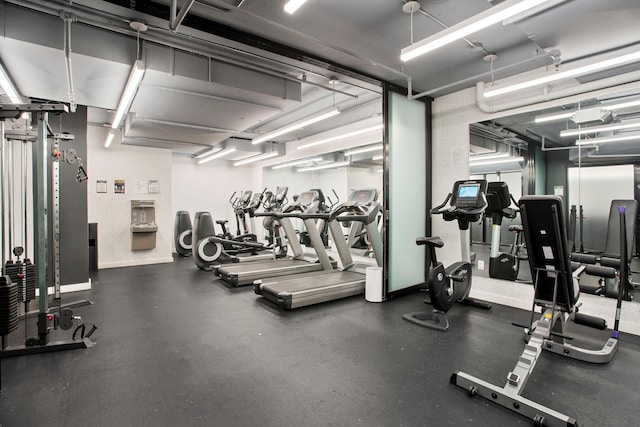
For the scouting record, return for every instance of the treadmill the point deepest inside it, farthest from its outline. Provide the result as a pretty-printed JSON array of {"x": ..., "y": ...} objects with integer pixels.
[
  {"x": 246, "y": 273},
  {"x": 306, "y": 289}
]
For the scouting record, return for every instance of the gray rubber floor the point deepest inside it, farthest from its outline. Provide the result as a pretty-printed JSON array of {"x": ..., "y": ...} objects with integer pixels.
[{"x": 177, "y": 347}]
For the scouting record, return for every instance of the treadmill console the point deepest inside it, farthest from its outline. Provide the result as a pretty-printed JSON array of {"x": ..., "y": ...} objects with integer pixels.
[
  {"x": 364, "y": 196},
  {"x": 307, "y": 197}
]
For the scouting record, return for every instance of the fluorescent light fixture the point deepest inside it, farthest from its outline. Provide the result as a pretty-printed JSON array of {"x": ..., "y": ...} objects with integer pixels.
[
  {"x": 614, "y": 138},
  {"x": 621, "y": 105},
  {"x": 554, "y": 117},
  {"x": 135, "y": 77},
  {"x": 296, "y": 126},
  {"x": 380, "y": 170},
  {"x": 208, "y": 153},
  {"x": 296, "y": 163},
  {"x": 327, "y": 166},
  {"x": 498, "y": 161},
  {"x": 363, "y": 150},
  {"x": 216, "y": 155},
  {"x": 533, "y": 11},
  {"x": 481, "y": 157},
  {"x": 603, "y": 128},
  {"x": 469, "y": 26},
  {"x": 342, "y": 136},
  {"x": 380, "y": 157},
  {"x": 109, "y": 139},
  {"x": 586, "y": 69},
  {"x": 252, "y": 159},
  {"x": 8, "y": 87},
  {"x": 292, "y": 5}
]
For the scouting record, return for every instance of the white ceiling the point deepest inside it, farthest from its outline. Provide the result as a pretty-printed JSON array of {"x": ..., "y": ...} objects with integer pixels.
[{"x": 235, "y": 69}]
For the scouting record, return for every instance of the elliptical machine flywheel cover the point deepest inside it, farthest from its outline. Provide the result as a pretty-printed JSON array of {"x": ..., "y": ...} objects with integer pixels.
[
  {"x": 208, "y": 251},
  {"x": 185, "y": 240}
]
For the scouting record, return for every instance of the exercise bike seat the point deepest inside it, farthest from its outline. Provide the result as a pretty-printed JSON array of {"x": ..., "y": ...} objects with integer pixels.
[
  {"x": 515, "y": 227},
  {"x": 435, "y": 241},
  {"x": 221, "y": 221}
]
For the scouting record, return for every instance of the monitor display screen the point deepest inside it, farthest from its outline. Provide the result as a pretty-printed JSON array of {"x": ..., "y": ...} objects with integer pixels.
[{"x": 468, "y": 191}]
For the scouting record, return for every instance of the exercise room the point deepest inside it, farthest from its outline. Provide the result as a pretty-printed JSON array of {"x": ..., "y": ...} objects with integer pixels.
[{"x": 319, "y": 212}]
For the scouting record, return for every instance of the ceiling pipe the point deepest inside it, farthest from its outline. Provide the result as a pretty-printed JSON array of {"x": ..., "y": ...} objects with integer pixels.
[
  {"x": 176, "y": 20},
  {"x": 608, "y": 86},
  {"x": 187, "y": 42},
  {"x": 188, "y": 126},
  {"x": 552, "y": 54}
]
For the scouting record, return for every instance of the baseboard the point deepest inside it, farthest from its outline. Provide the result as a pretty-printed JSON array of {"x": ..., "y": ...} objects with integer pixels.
[
  {"x": 134, "y": 262},
  {"x": 72, "y": 287}
]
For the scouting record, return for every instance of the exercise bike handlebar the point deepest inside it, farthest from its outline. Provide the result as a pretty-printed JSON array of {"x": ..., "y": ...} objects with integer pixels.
[{"x": 438, "y": 210}]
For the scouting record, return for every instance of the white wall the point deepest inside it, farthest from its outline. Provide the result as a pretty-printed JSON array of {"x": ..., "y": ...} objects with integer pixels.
[
  {"x": 112, "y": 211},
  {"x": 209, "y": 186}
]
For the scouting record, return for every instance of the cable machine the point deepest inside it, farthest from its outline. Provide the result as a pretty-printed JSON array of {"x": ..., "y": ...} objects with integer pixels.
[{"x": 18, "y": 278}]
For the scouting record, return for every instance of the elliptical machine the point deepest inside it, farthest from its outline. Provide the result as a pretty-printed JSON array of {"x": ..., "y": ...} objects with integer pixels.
[
  {"x": 452, "y": 284},
  {"x": 502, "y": 265}
]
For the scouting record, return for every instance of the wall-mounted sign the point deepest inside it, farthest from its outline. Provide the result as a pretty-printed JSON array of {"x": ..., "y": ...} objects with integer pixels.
[
  {"x": 118, "y": 186},
  {"x": 101, "y": 186},
  {"x": 154, "y": 186}
]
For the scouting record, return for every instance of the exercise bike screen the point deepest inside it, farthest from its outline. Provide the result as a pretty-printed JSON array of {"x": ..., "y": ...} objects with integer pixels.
[{"x": 468, "y": 192}]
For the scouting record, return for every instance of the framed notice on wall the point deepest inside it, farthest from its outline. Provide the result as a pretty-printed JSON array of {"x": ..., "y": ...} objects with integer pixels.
[
  {"x": 118, "y": 186},
  {"x": 101, "y": 186},
  {"x": 154, "y": 186}
]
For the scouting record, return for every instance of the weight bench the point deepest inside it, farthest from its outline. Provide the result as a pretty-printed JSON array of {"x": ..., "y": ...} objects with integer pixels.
[{"x": 556, "y": 290}]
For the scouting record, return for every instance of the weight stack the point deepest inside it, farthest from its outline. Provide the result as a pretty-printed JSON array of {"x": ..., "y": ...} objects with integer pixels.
[
  {"x": 8, "y": 306},
  {"x": 23, "y": 275}
]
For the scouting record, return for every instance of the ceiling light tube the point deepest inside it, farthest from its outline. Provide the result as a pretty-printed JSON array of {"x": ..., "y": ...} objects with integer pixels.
[
  {"x": 614, "y": 138},
  {"x": 208, "y": 153},
  {"x": 296, "y": 126},
  {"x": 109, "y": 140},
  {"x": 135, "y": 78},
  {"x": 469, "y": 26},
  {"x": 339, "y": 137},
  {"x": 481, "y": 157},
  {"x": 292, "y": 5},
  {"x": 380, "y": 157},
  {"x": 498, "y": 161},
  {"x": 621, "y": 105},
  {"x": 586, "y": 69},
  {"x": 327, "y": 166},
  {"x": 252, "y": 159},
  {"x": 554, "y": 117},
  {"x": 297, "y": 163},
  {"x": 8, "y": 87},
  {"x": 363, "y": 150},
  {"x": 216, "y": 155},
  {"x": 533, "y": 11},
  {"x": 603, "y": 128}
]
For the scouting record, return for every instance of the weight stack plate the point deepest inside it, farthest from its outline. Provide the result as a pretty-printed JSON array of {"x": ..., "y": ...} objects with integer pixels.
[
  {"x": 27, "y": 284},
  {"x": 8, "y": 306}
]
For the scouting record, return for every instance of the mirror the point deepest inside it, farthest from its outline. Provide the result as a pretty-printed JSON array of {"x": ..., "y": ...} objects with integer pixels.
[{"x": 584, "y": 151}]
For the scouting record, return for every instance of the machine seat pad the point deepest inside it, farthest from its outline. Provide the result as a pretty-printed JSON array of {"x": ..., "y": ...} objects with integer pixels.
[
  {"x": 221, "y": 221},
  {"x": 434, "y": 241},
  {"x": 515, "y": 227}
]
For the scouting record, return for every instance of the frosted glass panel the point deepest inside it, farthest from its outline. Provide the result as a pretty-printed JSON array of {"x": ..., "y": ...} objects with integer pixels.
[{"x": 407, "y": 132}]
